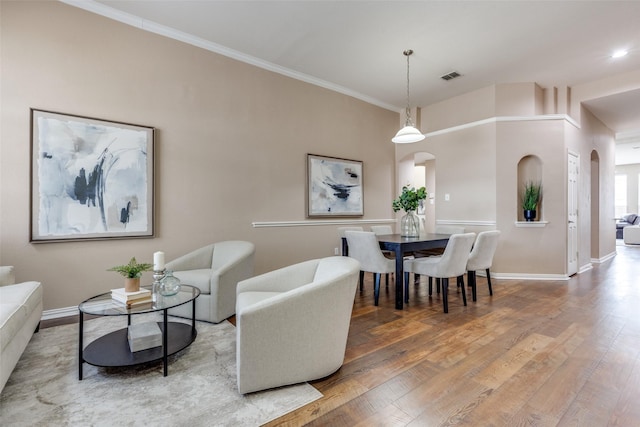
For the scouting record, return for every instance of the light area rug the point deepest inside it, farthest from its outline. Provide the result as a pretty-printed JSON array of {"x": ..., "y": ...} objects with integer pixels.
[{"x": 200, "y": 389}]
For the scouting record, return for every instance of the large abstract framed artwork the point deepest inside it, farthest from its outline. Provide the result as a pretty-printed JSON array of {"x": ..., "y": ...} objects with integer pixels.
[
  {"x": 334, "y": 187},
  {"x": 90, "y": 178}
]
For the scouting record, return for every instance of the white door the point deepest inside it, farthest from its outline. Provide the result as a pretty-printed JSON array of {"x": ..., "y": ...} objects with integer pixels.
[{"x": 572, "y": 214}]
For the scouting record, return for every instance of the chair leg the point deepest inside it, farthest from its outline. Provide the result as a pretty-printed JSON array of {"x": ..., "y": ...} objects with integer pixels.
[
  {"x": 416, "y": 279},
  {"x": 430, "y": 285},
  {"x": 437, "y": 284},
  {"x": 464, "y": 293},
  {"x": 489, "y": 282},
  {"x": 376, "y": 288},
  {"x": 471, "y": 276},
  {"x": 361, "y": 280},
  {"x": 386, "y": 281},
  {"x": 445, "y": 289}
]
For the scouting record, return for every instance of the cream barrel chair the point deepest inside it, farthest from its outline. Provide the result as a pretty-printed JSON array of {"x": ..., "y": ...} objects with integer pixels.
[
  {"x": 216, "y": 270},
  {"x": 292, "y": 323}
]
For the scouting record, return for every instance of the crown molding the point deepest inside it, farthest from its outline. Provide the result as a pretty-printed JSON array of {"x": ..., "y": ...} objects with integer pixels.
[{"x": 163, "y": 30}]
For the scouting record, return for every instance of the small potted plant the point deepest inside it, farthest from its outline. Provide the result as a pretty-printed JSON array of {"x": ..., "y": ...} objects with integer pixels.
[
  {"x": 530, "y": 198},
  {"x": 132, "y": 273},
  {"x": 408, "y": 201}
]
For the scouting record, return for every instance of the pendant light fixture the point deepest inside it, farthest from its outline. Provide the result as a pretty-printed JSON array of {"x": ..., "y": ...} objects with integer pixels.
[{"x": 408, "y": 133}]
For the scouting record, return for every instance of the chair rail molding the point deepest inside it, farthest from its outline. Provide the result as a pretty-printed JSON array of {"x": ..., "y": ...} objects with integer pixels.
[
  {"x": 466, "y": 222},
  {"x": 313, "y": 223}
]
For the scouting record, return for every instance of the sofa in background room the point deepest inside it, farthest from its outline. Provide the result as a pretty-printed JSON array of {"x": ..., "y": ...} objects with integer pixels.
[{"x": 625, "y": 221}]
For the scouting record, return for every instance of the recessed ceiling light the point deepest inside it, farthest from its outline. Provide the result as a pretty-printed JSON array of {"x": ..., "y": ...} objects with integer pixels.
[{"x": 619, "y": 53}]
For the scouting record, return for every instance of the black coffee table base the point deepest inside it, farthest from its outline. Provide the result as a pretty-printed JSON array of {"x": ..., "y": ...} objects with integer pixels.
[{"x": 113, "y": 349}]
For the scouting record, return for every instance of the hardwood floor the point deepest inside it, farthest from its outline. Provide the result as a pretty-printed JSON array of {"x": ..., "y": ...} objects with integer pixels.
[{"x": 537, "y": 353}]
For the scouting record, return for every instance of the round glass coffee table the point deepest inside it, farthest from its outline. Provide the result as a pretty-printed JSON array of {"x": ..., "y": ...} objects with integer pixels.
[{"x": 113, "y": 349}]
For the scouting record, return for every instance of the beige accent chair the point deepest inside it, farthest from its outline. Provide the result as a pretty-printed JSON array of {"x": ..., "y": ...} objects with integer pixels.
[
  {"x": 292, "y": 323},
  {"x": 216, "y": 270},
  {"x": 364, "y": 247},
  {"x": 481, "y": 258},
  {"x": 452, "y": 263},
  {"x": 20, "y": 314}
]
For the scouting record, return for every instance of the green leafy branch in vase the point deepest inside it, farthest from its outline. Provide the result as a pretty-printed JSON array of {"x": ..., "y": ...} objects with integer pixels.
[{"x": 410, "y": 198}]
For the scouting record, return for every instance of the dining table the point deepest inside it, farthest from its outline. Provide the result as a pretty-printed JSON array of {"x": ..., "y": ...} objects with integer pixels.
[{"x": 403, "y": 246}]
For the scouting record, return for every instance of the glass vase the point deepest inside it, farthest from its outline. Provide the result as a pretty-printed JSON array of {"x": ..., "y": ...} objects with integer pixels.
[
  {"x": 410, "y": 225},
  {"x": 169, "y": 285}
]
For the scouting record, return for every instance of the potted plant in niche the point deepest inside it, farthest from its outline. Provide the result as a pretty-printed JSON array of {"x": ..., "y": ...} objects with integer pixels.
[
  {"x": 530, "y": 198},
  {"x": 132, "y": 273},
  {"x": 408, "y": 201}
]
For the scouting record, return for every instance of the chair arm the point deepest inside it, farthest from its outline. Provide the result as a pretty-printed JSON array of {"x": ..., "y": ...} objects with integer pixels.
[
  {"x": 196, "y": 260},
  {"x": 7, "y": 276},
  {"x": 282, "y": 280}
]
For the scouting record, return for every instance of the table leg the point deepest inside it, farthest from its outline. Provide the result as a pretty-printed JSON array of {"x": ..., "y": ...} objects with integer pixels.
[
  {"x": 399, "y": 277},
  {"x": 193, "y": 318},
  {"x": 80, "y": 358},
  {"x": 164, "y": 342}
]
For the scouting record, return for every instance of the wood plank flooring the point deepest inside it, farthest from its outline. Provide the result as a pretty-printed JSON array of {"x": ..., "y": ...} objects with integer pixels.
[{"x": 537, "y": 353}]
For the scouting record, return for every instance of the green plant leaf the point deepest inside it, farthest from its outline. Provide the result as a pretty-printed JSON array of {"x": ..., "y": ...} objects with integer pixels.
[
  {"x": 133, "y": 269},
  {"x": 409, "y": 200},
  {"x": 531, "y": 196}
]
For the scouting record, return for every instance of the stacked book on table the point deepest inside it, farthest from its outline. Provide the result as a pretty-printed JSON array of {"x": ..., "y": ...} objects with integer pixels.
[{"x": 131, "y": 299}]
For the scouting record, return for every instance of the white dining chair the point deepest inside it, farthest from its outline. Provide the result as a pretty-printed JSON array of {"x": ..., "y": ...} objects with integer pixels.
[
  {"x": 345, "y": 247},
  {"x": 481, "y": 258},
  {"x": 452, "y": 263},
  {"x": 439, "y": 229},
  {"x": 382, "y": 229},
  {"x": 364, "y": 247},
  {"x": 341, "y": 231}
]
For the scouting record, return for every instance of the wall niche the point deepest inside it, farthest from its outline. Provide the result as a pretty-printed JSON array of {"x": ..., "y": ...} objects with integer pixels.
[{"x": 529, "y": 170}]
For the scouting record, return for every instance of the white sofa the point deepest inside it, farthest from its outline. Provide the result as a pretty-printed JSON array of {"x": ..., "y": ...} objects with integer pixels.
[
  {"x": 631, "y": 235},
  {"x": 216, "y": 270},
  {"x": 292, "y": 323},
  {"x": 20, "y": 314}
]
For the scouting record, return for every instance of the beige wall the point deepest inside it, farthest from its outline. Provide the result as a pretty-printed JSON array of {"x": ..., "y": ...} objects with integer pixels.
[
  {"x": 633, "y": 185},
  {"x": 477, "y": 165},
  {"x": 231, "y": 144}
]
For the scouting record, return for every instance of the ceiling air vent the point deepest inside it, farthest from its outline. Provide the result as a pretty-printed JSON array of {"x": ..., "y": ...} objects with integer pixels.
[{"x": 450, "y": 76}]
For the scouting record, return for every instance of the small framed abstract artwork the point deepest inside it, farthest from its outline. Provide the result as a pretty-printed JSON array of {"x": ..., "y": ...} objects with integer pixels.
[
  {"x": 334, "y": 187},
  {"x": 90, "y": 178}
]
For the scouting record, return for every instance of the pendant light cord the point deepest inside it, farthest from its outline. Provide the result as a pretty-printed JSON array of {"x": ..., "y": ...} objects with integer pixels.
[{"x": 408, "y": 122}]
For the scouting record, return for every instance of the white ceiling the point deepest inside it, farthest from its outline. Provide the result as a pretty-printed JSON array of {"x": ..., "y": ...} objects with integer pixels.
[{"x": 356, "y": 47}]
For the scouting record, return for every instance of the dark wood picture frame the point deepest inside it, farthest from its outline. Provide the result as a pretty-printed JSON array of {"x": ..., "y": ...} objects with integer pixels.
[{"x": 90, "y": 178}]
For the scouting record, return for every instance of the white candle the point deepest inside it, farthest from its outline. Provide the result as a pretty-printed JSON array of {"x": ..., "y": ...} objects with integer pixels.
[{"x": 158, "y": 261}]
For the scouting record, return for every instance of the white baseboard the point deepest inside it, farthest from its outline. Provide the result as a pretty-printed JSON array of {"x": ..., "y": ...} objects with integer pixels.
[
  {"x": 603, "y": 259},
  {"x": 585, "y": 267},
  {"x": 60, "y": 312},
  {"x": 528, "y": 276}
]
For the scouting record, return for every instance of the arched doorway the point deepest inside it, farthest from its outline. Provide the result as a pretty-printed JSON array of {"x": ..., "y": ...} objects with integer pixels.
[{"x": 419, "y": 170}]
